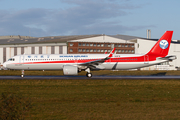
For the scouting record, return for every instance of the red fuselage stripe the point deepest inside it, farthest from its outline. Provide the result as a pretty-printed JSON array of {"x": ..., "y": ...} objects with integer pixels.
[{"x": 123, "y": 59}]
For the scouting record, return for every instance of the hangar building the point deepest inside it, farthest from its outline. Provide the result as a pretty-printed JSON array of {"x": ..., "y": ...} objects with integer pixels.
[{"x": 100, "y": 44}]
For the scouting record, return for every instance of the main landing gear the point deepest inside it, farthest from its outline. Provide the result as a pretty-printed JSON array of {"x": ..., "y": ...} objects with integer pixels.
[{"x": 88, "y": 74}]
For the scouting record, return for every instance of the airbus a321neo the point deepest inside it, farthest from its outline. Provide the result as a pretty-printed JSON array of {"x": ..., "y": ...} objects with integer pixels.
[{"x": 71, "y": 64}]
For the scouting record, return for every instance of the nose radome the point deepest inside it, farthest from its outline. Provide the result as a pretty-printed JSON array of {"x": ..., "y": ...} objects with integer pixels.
[{"x": 4, "y": 65}]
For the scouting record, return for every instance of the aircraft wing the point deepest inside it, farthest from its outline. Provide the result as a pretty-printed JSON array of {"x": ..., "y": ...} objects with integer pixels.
[{"x": 91, "y": 64}]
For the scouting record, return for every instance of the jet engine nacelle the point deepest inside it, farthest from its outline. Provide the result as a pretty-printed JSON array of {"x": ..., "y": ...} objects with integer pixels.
[{"x": 70, "y": 70}]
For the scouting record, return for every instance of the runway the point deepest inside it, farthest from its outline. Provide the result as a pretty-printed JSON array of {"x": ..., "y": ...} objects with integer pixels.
[{"x": 98, "y": 77}]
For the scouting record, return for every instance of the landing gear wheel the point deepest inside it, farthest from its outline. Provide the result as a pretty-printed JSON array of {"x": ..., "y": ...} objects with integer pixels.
[
  {"x": 89, "y": 75},
  {"x": 22, "y": 73}
]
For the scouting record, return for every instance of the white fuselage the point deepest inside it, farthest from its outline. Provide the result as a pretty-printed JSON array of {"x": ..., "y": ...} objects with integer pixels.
[{"x": 56, "y": 62}]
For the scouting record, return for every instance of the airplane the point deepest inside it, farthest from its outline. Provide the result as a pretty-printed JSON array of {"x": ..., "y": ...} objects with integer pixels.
[{"x": 72, "y": 64}]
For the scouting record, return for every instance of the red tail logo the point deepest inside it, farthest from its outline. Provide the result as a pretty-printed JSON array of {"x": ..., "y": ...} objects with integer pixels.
[{"x": 161, "y": 48}]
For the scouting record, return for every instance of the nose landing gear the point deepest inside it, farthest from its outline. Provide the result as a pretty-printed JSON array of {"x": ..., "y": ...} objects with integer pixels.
[{"x": 22, "y": 73}]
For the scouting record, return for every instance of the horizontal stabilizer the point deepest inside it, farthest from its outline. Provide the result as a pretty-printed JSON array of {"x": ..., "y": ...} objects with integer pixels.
[{"x": 169, "y": 58}]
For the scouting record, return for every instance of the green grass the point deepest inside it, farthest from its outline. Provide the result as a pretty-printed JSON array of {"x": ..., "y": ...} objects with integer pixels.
[
  {"x": 98, "y": 99},
  {"x": 101, "y": 72}
]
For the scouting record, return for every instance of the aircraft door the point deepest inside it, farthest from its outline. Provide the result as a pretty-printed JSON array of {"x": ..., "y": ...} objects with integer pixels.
[
  {"x": 146, "y": 59},
  {"x": 21, "y": 59},
  {"x": 76, "y": 60}
]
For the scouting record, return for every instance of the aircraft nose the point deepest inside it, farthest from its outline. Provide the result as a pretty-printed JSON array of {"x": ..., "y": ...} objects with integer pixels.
[{"x": 4, "y": 65}]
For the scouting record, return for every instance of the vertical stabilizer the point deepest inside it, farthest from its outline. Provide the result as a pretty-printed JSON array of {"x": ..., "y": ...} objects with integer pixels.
[{"x": 161, "y": 48}]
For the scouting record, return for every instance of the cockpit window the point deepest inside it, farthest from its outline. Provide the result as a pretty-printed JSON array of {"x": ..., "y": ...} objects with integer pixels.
[{"x": 11, "y": 59}]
